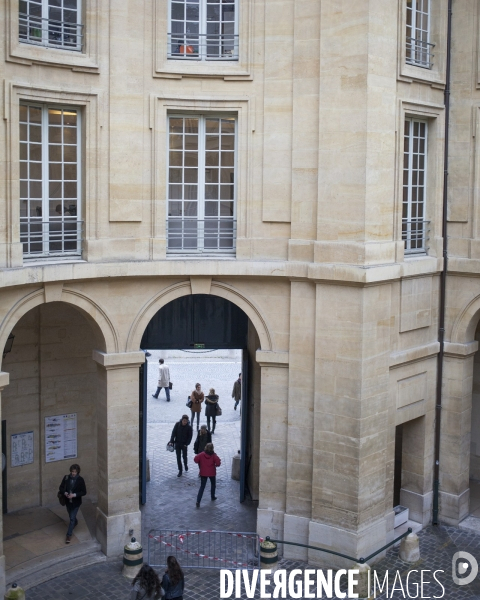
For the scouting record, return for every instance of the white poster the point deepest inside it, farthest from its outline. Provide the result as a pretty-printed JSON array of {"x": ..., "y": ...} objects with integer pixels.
[
  {"x": 60, "y": 437},
  {"x": 22, "y": 449}
]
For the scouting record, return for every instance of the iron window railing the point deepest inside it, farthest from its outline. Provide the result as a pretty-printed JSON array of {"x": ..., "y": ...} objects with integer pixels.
[
  {"x": 415, "y": 235},
  {"x": 215, "y": 235},
  {"x": 60, "y": 236},
  {"x": 50, "y": 32},
  {"x": 419, "y": 53},
  {"x": 198, "y": 46}
]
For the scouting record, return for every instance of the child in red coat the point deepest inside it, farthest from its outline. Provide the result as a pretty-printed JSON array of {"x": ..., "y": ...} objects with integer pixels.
[{"x": 208, "y": 462}]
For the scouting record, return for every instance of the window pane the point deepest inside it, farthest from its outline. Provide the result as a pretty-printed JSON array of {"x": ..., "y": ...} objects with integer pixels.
[
  {"x": 211, "y": 159},
  {"x": 176, "y": 159},
  {"x": 212, "y": 125},
  {"x": 227, "y": 159},
  {"x": 176, "y": 125}
]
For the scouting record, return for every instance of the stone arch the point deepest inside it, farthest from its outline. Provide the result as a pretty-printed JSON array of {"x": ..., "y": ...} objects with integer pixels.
[
  {"x": 217, "y": 288},
  {"x": 465, "y": 325},
  {"x": 105, "y": 333}
]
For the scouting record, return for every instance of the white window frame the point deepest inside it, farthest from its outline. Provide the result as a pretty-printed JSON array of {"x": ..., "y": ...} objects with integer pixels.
[
  {"x": 200, "y": 217},
  {"x": 415, "y": 227},
  {"x": 44, "y": 25},
  {"x": 201, "y": 38},
  {"x": 418, "y": 45},
  {"x": 66, "y": 229}
]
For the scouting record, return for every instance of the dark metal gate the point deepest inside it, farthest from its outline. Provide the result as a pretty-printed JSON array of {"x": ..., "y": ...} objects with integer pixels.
[
  {"x": 244, "y": 428},
  {"x": 143, "y": 431}
]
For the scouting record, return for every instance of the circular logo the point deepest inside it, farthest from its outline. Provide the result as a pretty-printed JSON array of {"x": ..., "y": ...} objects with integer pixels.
[{"x": 462, "y": 562}]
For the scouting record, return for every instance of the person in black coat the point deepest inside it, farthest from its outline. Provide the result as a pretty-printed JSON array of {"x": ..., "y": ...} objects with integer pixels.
[
  {"x": 203, "y": 438},
  {"x": 73, "y": 488},
  {"x": 211, "y": 402},
  {"x": 181, "y": 438}
]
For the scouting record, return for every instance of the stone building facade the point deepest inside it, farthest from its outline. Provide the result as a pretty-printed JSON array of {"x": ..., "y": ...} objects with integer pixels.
[{"x": 287, "y": 156}]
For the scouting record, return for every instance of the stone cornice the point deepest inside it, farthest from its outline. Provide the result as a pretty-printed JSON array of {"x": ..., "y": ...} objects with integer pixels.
[{"x": 315, "y": 272}]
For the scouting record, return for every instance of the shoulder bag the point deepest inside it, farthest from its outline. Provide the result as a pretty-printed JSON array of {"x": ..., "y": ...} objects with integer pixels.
[
  {"x": 189, "y": 402},
  {"x": 60, "y": 496},
  {"x": 218, "y": 410}
]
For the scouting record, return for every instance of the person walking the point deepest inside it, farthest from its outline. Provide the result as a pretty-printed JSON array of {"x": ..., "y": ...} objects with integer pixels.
[
  {"x": 211, "y": 402},
  {"x": 181, "y": 438},
  {"x": 237, "y": 390},
  {"x": 203, "y": 438},
  {"x": 146, "y": 585},
  {"x": 173, "y": 582},
  {"x": 73, "y": 488},
  {"x": 197, "y": 398},
  {"x": 163, "y": 380},
  {"x": 208, "y": 462}
]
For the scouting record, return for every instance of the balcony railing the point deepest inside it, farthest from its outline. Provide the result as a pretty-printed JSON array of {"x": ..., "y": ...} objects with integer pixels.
[
  {"x": 419, "y": 53},
  {"x": 189, "y": 46},
  {"x": 189, "y": 235},
  {"x": 415, "y": 235},
  {"x": 60, "y": 236},
  {"x": 49, "y": 32}
]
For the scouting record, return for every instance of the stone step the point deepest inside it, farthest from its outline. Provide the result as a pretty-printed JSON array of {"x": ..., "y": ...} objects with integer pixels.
[{"x": 43, "y": 568}]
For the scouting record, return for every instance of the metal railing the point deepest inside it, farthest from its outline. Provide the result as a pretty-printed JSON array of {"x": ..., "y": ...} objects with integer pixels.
[
  {"x": 362, "y": 560},
  {"x": 60, "y": 236},
  {"x": 203, "y": 46},
  {"x": 49, "y": 32},
  {"x": 216, "y": 235},
  {"x": 415, "y": 235},
  {"x": 204, "y": 549},
  {"x": 419, "y": 53}
]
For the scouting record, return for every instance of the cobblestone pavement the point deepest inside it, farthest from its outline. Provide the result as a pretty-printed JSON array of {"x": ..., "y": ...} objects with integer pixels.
[
  {"x": 206, "y": 369},
  {"x": 438, "y": 544}
]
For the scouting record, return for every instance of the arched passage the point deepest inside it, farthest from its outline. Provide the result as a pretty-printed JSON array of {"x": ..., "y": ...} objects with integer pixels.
[
  {"x": 53, "y": 385},
  {"x": 207, "y": 322}
]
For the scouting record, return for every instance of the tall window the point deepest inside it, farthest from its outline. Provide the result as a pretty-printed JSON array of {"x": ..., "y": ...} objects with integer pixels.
[
  {"x": 201, "y": 184},
  {"x": 53, "y": 23},
  {"x": 50, "y": 180},
  {"x": 203, "y": 29},
  {"x": 419, "y": 48},
  {"x": 414, "y": 225}
]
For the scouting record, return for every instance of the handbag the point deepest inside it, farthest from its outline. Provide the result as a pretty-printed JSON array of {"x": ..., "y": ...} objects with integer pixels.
[
  {"x": 170, "y": 386},
  {"x": 170, "y": 447},
  {"x": 189, "y": 402},
  {"x": 60, "y": 496},
  {"x": 218, "y": 410}
]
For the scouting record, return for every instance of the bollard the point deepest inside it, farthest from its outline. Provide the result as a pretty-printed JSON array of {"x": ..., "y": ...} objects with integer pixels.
[
  {"x": 410, "y": 548},
  {"x": 15, "y": 593},
  {"x": 268, "y": 555},
  {"x": 132, "y": 559},
  {"x": 236, "y": 466},
  {"x": 362, "y": 586}
]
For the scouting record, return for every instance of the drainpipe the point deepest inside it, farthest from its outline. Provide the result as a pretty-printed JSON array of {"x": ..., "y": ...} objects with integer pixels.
[{"x": 443, "y": 280}]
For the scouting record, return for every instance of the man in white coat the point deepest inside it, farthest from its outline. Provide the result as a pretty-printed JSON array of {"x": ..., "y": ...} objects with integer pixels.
[{"x": 163, "y": 380}]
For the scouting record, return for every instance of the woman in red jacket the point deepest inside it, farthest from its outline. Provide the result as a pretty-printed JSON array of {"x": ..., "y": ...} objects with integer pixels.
[{"x": 208, "y": 462}]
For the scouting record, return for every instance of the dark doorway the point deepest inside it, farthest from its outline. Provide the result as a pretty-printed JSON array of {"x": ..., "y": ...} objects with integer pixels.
[
  {"x": 397, "y": 474},
  {"x": 198, "y": 321}
]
